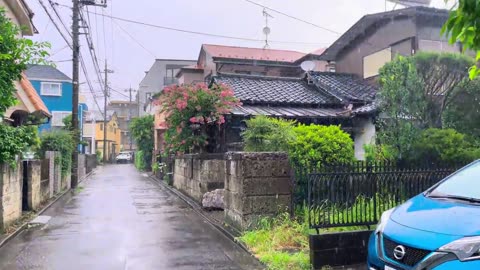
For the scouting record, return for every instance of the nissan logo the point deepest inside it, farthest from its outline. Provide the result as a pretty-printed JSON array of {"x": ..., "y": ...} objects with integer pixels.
[{"x": 399, "y": 252}]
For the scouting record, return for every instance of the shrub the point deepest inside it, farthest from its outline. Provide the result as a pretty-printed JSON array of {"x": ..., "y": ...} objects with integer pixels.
[
  {"x": 378, "y": 152},
  {"x": 191, "y": 110},
  {"x": 99, "y": 156},
  {"x": 140, "y": 161},
  {"x": 444, "y": 146},
  {"x": 142, "y": 132},
  {"x": 316, "y": 145},
  {"x": 16, "y": 140},
  {"x": 266, "y": 134},
  {"x": 60, "y": 141}
]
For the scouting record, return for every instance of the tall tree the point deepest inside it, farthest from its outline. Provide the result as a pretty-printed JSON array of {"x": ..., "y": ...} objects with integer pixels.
[
  {"x": 463, "y": 26},
  {"x": 463, "y": 114},
  {"x": 415, "y": 92},
  {"x": 142, "y": 130},
  {"x": 15, "y": 54}
]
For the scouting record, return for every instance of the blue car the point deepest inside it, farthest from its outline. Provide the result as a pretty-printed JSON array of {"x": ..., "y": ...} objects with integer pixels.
[{"x": 438, "y": 229}]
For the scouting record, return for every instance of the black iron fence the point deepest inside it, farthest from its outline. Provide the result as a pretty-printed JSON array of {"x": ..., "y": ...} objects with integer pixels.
[{"x": 357, "y": 193}]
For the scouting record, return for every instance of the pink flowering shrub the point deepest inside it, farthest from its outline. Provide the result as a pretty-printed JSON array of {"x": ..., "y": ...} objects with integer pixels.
[{"x": 190, "y": 110}]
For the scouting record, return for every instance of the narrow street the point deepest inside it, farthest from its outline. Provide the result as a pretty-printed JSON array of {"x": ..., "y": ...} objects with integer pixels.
[{"x": 123, "y": 220}]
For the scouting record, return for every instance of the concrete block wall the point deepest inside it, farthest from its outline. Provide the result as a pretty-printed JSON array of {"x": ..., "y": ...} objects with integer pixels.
[
  {"x": 46, "y": 187},
  {"x": 11, "y": 184},
  {"x": 33, "y": 177},
  {"x": 90, "y": 162},
  {"x": 56, "y": 168},
  {"x": 82, "y": 170},
  {"x": 256, "y": 185},
  {"x": 196, "y": 175}
]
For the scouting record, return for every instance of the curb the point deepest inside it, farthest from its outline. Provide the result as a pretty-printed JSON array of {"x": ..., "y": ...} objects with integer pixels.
[
  {"x": 48, "y": 206},
  {"x": 230, "y": 235}
]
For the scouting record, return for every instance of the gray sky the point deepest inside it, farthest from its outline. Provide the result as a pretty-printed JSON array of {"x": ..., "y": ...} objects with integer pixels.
[{"x": 236, "y": 18}]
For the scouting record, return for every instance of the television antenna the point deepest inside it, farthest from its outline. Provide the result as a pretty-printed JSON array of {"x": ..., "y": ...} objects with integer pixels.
[
  {"x": 266, "y": 29},
  {"x": 410, "y": 3}
]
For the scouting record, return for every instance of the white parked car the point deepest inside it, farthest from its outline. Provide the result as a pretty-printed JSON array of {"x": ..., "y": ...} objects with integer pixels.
[{"x": 124, "y": 157}]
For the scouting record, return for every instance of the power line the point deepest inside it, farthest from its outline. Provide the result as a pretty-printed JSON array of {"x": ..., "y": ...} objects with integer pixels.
[
  {"x": 96, "y": 26},
  {"x": 104, "y": 35},
  {"x": 293, "y": 17},
  {"x": 58, "y": 51},
  {"x": 67, "y": 41},
  {"x": 55, "y": 23},
  {"x": 135, "y": 40},
  {"x": 112, "y": 45},
  {"x": 91, "y": 50},
  {"x": 197, "y": 32}
]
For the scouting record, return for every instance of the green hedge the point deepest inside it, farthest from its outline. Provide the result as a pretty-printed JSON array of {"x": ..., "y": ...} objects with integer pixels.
[
  {"x": 444, "y": 146},
  {"x": 304, "y": 143},
  {"x": 60, "y": 141},
  {"x": 140, "y": 161}
]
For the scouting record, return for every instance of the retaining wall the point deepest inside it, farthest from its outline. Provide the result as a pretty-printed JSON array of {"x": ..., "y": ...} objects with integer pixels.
[
  {"x": 256, "y": 185},
  {"x": 10, "y": 194},
  {"x": 196, "y": 175}
]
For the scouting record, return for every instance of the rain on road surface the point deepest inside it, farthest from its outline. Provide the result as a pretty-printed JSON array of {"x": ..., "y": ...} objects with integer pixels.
[{"x": 122, "y": 220}]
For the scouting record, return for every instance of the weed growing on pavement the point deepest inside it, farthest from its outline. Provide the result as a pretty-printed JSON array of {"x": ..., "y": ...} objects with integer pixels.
[{"x": 79, "y": 189}]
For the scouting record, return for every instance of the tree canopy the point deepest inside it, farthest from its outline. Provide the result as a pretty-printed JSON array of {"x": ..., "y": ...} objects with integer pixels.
[
  {"x": 142, "y": 132},
  {"x": 463, "y": 25},
  {"x": 15, "y": 54},
  {"x": 414, "y": 93}
]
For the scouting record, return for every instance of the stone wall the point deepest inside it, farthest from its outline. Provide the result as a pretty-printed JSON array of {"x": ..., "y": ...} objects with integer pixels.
[
  {"x": 10, "y": 194},
  {"x": 31, "y": 183},
  {"x": 46, "y": 187},
  {"x": 33, "y": 170},
  {"x": 256, "y": 185},
  {"x": 90, "y": 163},
  {"x": 196, "y": 175},
  {"x": 82, "y": 170},
  {"x": 56, "y": 168}
]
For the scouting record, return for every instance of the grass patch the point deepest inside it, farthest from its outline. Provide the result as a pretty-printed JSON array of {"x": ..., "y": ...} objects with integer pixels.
[
  {"x": 79, "y": 189},
  {"x": 282, "y": 242}
]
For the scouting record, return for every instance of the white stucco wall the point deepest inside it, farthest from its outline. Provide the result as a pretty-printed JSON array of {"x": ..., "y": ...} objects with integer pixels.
[
  {"x": 9, "y": 12},
  {"x": 17, "y": 11},
  {"x": 365, "y": 134},
  {"x": 153, "y": 82}
]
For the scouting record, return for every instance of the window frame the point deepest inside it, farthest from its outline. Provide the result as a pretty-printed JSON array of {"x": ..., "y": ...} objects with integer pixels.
[
  {"x": 53, "y": 121},
  {"x": 42, "y": 91}
]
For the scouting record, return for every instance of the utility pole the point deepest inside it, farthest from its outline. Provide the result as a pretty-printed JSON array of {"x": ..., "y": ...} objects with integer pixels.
[
  {"x": 105, "y": 121},
  {"x": 130, "y": 115},
  {"x": 76, "y": 86},
  {"x": 77, "y": 5}
]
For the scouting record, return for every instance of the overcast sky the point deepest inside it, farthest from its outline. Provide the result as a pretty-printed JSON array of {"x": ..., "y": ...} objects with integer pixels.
[{"x": 236, "y": 18}]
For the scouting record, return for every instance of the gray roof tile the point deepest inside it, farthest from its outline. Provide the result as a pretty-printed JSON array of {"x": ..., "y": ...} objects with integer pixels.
[
  {"x": 346, "y": 87},
  {"x": 45, "y": 72},
  {"x": 274, "y": 90}
]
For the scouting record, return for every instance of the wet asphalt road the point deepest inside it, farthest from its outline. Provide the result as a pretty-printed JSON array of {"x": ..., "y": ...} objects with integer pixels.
[{"x": 123, "y": 220}]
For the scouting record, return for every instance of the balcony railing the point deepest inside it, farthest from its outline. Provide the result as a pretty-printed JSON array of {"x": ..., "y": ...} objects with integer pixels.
[{"x": 169, "y": 80}]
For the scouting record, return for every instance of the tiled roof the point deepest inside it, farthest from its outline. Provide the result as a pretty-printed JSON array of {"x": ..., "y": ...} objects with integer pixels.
[
  {"x": 287, "y": 111},
  {"x": 274, "y": 90},
  {"x": 33, "y": 96},
  {"x": 365, "y": 109},
  {"x": 45, "y": 72},
  {"x": 346, "y": 87},
  {"x": 252, "y": 53}
]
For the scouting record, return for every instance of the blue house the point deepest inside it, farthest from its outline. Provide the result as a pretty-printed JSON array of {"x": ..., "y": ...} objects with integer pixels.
[{"x": 56, "y": 91}]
